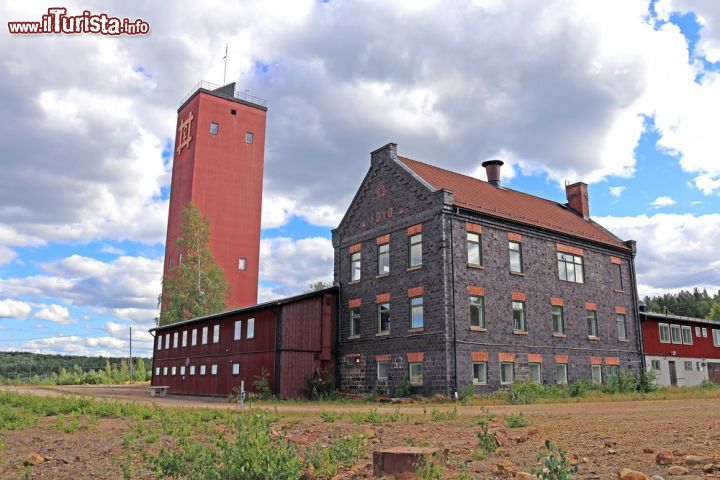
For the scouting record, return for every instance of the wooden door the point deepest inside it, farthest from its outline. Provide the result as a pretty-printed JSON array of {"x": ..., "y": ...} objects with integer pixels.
[
  {"x": 714, "y": 372},
  {"x": 673, "y": 374}
]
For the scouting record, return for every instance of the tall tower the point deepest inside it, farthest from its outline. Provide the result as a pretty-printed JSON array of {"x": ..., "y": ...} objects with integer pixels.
[{"x": 218, "y": 165}]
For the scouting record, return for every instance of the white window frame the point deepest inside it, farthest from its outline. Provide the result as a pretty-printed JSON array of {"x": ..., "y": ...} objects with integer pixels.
[
  {"x": 415, "y": 308},
  {"x": 523, "y": 327},
  {"x": 250, "y": 334},
  {"x": 503, "y": 379},
  {"x": 242, "y": 264},
  {"x": 355, "y": 322},
  {"x": 678, "y": 329},
  {"x": 414, "y": 242},
  {"x": 164, "y": 370},
  {"x": 538, "y": 365},
  {"x": 216, "y": 333},
  {"x": 193, "y": 338},
  {"x": 216, "y": 129},
  {"x": 515, "y": 252},
  {"x": 355, "y": 258},
  {"x": 652, "y": 365},
  {"x": 477, "y": 302},
  {"x": 618, "y": 322},
  {"x": 698, "y": 332},
  {"x": 421, "y": 367},
  {"x": 157, "y": 371},
  {"x": 213, "y": 369},
  {"x": 204, "y": 335},
  {"x": 596, "y": 378},
  {"x": 687, "y": 329},
  {"x": 716, "y": 337},
  {"x": 478, "y": 379},
  {"x": 704, "y": 330},
  {"x": 238, "y": 330},
  {"x": 184, "y": 338},
  {"x": 167, "y": 341},
  {"x": 182, "y": 370},
  {"x": 192, "y": 369},
  {"x": 383, "y": 253},
  {"x": 379, "y": 376},
  {"x": 176, "y": 336},
  {"x": 561, "y": 379},
  {"x": 685, "y": 365},
  {"x": 666, "y": 327},
  {"x": 472, "y": 243},
  {"x": 236, "y": 368},
  {"x": 159, "y": 342},
  {"x": 203, "y": 369},
  {"x": 560, "y": 320},
  {"x": 174, "y": 370}
]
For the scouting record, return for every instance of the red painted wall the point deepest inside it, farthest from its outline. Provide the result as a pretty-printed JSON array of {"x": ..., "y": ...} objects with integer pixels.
[
  {"x": 223, "y": 176},
  {"x": 701, "y": 347}
]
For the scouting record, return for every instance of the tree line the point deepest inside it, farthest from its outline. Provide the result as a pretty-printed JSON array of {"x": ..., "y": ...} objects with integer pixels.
[{"x": 696, "y": 303}]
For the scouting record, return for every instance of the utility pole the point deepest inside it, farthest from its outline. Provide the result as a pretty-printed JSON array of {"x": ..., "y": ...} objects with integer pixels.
[
  {"x": 131, "y": 360},
  {"x": 225, "y": 68}
]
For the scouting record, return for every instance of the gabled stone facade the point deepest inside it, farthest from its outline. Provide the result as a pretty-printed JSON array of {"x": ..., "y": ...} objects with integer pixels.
[{"x": 394, "y": 203}]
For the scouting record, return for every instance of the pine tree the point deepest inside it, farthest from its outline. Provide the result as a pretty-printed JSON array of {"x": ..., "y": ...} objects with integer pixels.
[{"x": 197, "y": 286}]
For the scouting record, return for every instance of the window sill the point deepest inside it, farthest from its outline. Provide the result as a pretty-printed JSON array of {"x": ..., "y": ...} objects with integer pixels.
[
  {"x": 416, "y": 330},
  {"x": 412, "y": 269},
  {"x": 618, "y": 291},
  {"x": 519, "y": 274},
  {"x": 382, "y": 275},
  {"x": 559, "y": 335},
  {"x": 593, "y": 338},
  {"x": 478, "y": 384},
  {"x": 382, "y": 334},
  {"x": 478, "y": 329},
  {"x": 353, "y": 282},
  {"x": 473, "y": 265},
  {"x": 382, "y": 379},
  {"x": 623, "y": 340},
  {"x": 353, "y": 337},
  {"x": 519, "y": 332}
]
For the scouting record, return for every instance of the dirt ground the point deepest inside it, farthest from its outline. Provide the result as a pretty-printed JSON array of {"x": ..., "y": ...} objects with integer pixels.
[{"x": 600, "y": 437}]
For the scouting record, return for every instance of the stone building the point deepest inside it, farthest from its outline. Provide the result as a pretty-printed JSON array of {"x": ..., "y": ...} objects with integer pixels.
[{"x": 447, "y": 281}]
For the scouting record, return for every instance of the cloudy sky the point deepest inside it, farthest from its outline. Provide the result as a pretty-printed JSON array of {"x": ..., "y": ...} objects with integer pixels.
[{"x": 624, "y": 95}]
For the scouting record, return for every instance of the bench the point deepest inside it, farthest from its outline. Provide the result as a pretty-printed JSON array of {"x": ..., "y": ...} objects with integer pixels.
[{"x": 162, "y": 389}]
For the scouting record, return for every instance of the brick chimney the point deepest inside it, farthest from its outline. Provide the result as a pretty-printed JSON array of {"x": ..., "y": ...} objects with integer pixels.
[
  {"x": 492, "y": 169},
  {"x": 577, "y": 197}
]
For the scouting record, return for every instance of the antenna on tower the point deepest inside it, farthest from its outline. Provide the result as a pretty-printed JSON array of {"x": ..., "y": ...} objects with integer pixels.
[{"x": 225, "y": 68}]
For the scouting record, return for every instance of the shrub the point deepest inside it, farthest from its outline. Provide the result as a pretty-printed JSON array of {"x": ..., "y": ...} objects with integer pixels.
[
  {"x": 329, "y": 417},
  {"x": 525, "y": 392},
  {"x": 262, "y": 385},
  {"x": 403, "y": 388},
  {"x": 428, "y": 468},
  {"x": 708, "y": 385},
  {"x": 579, "y": 388},
  {"x": 517, "y": 421},
  {"x": 466, "y": 394},
  {"x": 488, "y": 443},
  {"x": 645, "y": 382},
  {"x": 320, "y": 386},
  {"x": 556, "y": 466}
]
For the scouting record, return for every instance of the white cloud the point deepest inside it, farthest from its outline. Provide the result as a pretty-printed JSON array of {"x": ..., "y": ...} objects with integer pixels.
[
  {"x": 10, "y": 308},
  {"x": 112, "y": 250},
  {"x": 617, "y": 191},
  {"x": 663, "y": 201},
  {"x": 288, "y": 265},
  {"x": 55, "y": 313},
  {"x": 708, "y": 16}
]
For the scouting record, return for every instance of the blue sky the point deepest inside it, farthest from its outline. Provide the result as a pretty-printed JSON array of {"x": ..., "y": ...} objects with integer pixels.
[{"x": 620, "y": 94}]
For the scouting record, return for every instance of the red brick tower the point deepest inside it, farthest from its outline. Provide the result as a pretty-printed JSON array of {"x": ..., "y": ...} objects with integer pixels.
[{"x": 218, "y": 165}]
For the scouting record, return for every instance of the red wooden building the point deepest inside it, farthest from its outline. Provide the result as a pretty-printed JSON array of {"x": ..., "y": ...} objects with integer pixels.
[
  {"x": 289, "y": 339},
  {"x": 681, "y": 351}
]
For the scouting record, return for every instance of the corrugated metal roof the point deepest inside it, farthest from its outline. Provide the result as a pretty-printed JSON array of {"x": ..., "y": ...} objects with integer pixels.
[
  {"x": 477, "y": 195},
  {"x": 679, "y": 318}
]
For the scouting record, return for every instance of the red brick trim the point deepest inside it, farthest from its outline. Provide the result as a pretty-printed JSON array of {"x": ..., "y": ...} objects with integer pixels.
[
  {"x": 383, "y": 239},
  {"x": 612, "y": 360},
  {"x": 415, "y": 292},
  {"x": 615, "y": 260},
  {"x": 557, "y": 302},
  {"x": 590, "y": 306},
  {"x": 479, "y": 356},
  {"x": 355, "y": 248},
  {"x": 474, "y": 227},
  {"x": 354, "y": 302},
  {"x": 561, "y": 359},
  {"x": 415, "y": 357},
  {"x": 595, "y": 360},
  {"x": 414, "y": 229},
  {"x": 382, "y": 298},
  {"x": 515, "y": 237},
  {"x": 518, "y": 296},
  {"x": 382, "y": 358},
  {"x": 568, "y": 249},
  {"x": 506, "y": 357},
  {"x": 477, "y": 291},
  {"x": 621, "y": 310},
  {"x": 534, "y": 358}
]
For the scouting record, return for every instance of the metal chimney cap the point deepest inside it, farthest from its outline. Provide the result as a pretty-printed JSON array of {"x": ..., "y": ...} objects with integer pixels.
[{"x": 499, "y": 163}]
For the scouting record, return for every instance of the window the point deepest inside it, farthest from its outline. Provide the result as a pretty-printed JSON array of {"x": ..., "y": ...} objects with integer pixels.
[
  {"x": 182, "y": 370},
  {"x": 242, "y": 263},
  {"x": 699, "y": 366},
  {"x": 597, "y": 373},
  {"x": 516, "y": 263},
  {"x": 184, "y": 338},
  {"x": 416, "y": 374},
  {"x": 174, "y": 370},
  {"x": 192, "y": 369},
  {"x": 415, "y": 251},
  {"x": 157, "y": 371},
  {"x": 688, "y": 366},
  {"x": 664, "y": 333},
  {"x": 698, "y": 332},
  {"x": 477, "y": 311},
  {"x": 570, "y": 267},
  {"x": 251, "y": 328},
  {"x": 216, "y": 333},
  {"x": 354, "y": 322},
  {"x": 561, "y": 373},
  {"x": 621, "y": 320},
  {"x": 175, "y": 339},
  {"x": 592, "y": 326},
  {"x": 704, "y": 330},
  {"x": 617, "y": 276},
  {"x": 204, "y": 335},
  {"x": 213, "y": 128},
  {"x": 202, "y": 369},
  {"x": 238, "y": 330},
  {"x": 655, "y": 365},
  {"x": 249, "y": 138},
  {"x": 236, "y": 369},
  {"x": 355, "y": 267},
  {"x": 507, "y": 373},
  {"x": 193, "y": 337},
  {"x": 558, "y": 320},
  {"x": 382, "y": 370},
  {"x": 179, "y": 259},
  {"x": 213, "y": 369},
  {"x": 416, "y": 312},
  {"x": 164, "y": 370},
  {"x": 159, "y": 342},
  {"x": 383, "y": 317},
  {"x": 167, "y": 341},
  {"x": 170, "y": 263},
  {"x": 716, "y": 337},
  {"x": 611, "y": 373},
  {"x": 519, "y": 324},
  {"x": 675, "y": 333},
  {"x": 233, "y": 111},
  {"x": 687, "y": 335},
  {"x": 474, "y": 249},
  {"x": 383, "y": 261},
  {"x": 480, "y": 373},
  {"x": 535, "y": 371}
]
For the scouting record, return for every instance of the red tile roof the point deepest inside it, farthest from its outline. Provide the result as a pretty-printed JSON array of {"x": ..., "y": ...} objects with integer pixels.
[{"x": 477, "y": 195}]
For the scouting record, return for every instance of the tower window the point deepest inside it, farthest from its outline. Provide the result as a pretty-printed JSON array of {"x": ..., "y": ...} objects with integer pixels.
[
  {"x": 242, "y": 264},
  {"x": 213, "y": 128},
  {"x": 233, "y": 111},
  {"x": 248, "y": 137}
]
